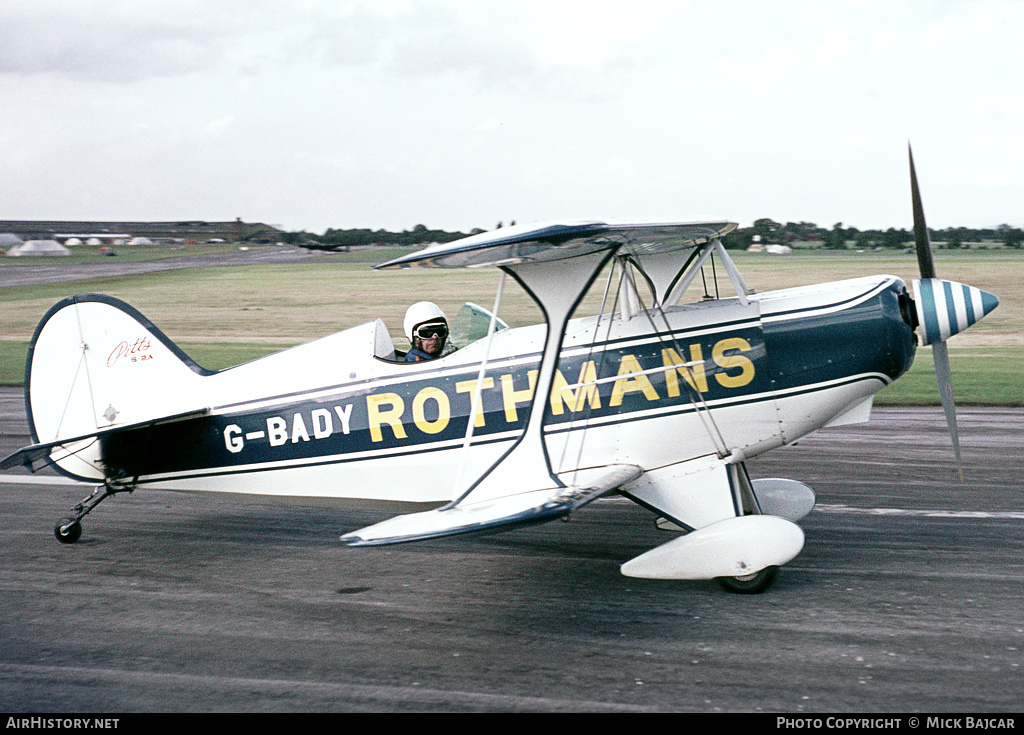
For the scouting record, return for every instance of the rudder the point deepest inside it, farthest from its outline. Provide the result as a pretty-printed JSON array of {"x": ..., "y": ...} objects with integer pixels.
[{"x": 94, "y": 363}]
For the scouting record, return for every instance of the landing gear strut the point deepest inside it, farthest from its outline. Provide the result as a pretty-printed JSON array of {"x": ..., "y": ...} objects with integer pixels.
[{"x": 69, "y": 529}]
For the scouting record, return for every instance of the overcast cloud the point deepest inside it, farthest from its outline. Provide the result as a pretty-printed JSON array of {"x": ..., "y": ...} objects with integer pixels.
[{"x": 311, "y": 114}]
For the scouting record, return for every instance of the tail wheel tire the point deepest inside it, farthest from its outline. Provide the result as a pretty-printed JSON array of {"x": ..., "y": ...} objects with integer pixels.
[{"x": 67, "y": 530}]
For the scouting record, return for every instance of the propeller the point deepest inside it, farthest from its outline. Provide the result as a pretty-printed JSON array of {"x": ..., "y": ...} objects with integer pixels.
[{"x": 944, "y": 308}]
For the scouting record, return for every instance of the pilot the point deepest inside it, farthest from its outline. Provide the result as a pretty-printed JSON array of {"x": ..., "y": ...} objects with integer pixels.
[{"x": 427, "y": 330}]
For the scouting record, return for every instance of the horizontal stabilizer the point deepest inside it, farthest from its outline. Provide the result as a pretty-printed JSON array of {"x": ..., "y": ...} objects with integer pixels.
[
  {"x": 29, "y": 456},
  {"x": 535, "y": 506}
]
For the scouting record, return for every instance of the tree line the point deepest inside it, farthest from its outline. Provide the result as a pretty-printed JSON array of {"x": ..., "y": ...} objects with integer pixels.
[
  {"x": 765, "y": 231},
  {"x": 361, "y": 237},
  {"x": 810, "y": 235}
]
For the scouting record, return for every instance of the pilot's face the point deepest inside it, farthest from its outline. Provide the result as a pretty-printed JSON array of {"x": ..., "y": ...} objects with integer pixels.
[
  {"x": 431, "y": 338},
  {"x": 432, "y": 345}
]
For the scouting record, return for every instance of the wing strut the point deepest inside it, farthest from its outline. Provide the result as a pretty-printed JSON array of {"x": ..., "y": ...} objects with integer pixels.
[
  {"x": 530, "y": 491},
  {"x": 714, "y": 246},
  {"x": 557, "y": 287}
]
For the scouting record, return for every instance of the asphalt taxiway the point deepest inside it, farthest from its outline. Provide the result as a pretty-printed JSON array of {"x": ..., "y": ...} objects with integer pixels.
[
  {"x": 906, "y": 598},
  {"x": 60, "y": 272}
]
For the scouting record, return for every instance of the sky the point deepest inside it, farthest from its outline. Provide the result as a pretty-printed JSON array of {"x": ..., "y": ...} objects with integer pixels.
[{"x": 313, "y": 114}]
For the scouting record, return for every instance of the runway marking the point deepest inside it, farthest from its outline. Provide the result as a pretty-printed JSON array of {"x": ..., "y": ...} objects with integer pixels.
[
  {"x": 840, "y": 508},
  {"x": 382, "y": 695},
  {"x": 42, "y": 480}
]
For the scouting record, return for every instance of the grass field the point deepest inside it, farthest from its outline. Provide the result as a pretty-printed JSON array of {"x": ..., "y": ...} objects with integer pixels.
[
  {"x": 130, "y": 253},
  {"x": 223, "y": 316}
]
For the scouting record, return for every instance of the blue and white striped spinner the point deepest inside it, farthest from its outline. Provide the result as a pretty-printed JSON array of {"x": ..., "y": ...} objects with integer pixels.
[{"x": 945, "y": 308}]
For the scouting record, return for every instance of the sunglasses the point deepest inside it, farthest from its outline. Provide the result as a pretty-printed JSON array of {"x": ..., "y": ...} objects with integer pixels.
[{"x": 427, "y": 331}]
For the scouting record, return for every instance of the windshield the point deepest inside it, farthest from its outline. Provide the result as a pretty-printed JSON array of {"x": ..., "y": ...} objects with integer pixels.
[{"x": 471, "y": 324}]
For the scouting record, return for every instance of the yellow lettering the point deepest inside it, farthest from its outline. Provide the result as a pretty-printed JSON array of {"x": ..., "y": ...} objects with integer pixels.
[
  {"x": 512, "y": 397},
  {"x": 444, "y": 412},
  {"x": 695, "y": 375},
  {"x": 469, "y": 386},
  {"x": 562, "y": 395},
  {"x": 378, "y": 416},
  {"x": 728, "y": 362},
  {"x": 632, "y": 384}
]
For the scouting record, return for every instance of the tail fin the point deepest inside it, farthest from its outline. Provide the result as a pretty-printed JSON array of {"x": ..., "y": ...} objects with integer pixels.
[{"x": 95, "y": 363}]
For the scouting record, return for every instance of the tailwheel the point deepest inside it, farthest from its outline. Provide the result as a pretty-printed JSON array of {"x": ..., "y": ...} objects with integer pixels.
[
  {"x": 67, "y": 530},
  {"x": 749, "y": 584}
]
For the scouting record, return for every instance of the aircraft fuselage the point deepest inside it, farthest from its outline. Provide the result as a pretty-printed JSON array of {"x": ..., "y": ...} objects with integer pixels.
[{"x": 718, "y": 377}]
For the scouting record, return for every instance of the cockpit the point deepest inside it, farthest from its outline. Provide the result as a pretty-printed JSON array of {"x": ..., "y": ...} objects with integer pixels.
[{"x": 471, "y": 323}]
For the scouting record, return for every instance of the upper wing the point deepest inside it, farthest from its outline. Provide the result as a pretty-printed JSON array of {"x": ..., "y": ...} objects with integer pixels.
[
  {"x": 522, "y": 508},
  {"x": 532, "y": 243}
]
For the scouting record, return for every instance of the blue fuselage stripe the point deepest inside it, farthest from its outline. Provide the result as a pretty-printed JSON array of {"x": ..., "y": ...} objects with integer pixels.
[{"x": 623, "y": 380}]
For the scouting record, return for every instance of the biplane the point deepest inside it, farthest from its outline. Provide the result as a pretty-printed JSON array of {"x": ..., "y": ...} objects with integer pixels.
[{"x": 657, "y": 398}]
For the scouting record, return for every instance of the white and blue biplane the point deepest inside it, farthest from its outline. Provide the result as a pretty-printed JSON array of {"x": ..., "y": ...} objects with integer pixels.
[{"x": 653, "y": 398}]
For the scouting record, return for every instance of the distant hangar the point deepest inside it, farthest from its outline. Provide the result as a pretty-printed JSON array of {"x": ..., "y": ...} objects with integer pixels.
[{"x": 157, "y": 232}]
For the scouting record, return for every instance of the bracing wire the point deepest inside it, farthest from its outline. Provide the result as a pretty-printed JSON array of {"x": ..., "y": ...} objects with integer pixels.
[
  {"x": 85, "y": 362},
  {"x": 697, "y": 398},
  {"x": 590, "y": 353},
  {"x": 475, "y": 404},
  {"x": 689, "y": 381}
]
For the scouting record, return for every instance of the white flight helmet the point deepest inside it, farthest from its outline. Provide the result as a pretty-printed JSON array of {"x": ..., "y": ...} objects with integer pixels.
[{"x": 421, "y": 313}]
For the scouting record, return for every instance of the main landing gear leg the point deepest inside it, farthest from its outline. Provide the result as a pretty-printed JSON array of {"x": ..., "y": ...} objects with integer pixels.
[{"x": 69, "y": 529}]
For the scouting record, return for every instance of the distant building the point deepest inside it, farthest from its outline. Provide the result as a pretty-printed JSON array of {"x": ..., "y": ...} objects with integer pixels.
[
  {"x": 38, "y": 247},
  {"x": 108, "y": 232},
  {"x": 9, "y": 240}
]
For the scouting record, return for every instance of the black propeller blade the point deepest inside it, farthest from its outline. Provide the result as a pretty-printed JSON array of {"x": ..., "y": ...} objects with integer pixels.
[
  {"x": 940, "y": 354},
  {"x": 925, "y": 261}
]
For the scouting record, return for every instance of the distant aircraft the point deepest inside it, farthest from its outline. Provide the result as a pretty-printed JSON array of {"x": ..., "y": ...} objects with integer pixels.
[
  {"x": 331, "y": 248},
  {"x": 656, "y": 400}
]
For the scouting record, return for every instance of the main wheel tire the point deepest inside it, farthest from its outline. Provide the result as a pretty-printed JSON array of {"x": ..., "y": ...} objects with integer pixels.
[
  {"x": 749, "y": 584},
  {"x": 67, "y": 530}
]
